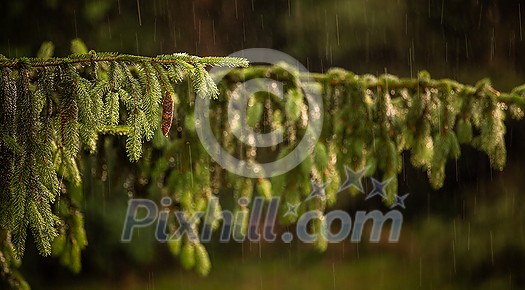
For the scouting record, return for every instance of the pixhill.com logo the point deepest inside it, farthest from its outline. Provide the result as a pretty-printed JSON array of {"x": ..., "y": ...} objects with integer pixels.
[
  {"x": 262, "y": 214},
  {"x": 262, "y": 224}
]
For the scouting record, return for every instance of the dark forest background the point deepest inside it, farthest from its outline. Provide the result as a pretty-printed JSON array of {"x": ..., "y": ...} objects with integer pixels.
[{"x": 469, "y": 234}]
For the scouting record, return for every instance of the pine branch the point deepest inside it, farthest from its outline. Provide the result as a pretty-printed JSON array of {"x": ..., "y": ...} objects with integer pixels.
[
  {"x": 340, "y": 77},
  {"x": 166, "y": 59},
  {"x": 54, "y": 107}
]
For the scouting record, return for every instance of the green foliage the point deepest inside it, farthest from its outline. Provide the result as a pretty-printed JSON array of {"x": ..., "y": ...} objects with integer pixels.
[
  {"x": 202, "y": 260},
  {"x": 264, "y": 188},
  {"x": 187, "y": 256},
  {"x": 72, "y": 239},
  {"x": 55, "y": 107}
]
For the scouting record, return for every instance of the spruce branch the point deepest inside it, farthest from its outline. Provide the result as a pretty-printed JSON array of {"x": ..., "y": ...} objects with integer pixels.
[
  {"x": 340, "y": 77},
  {"x": 177, "y": 58},
  {"x": 54, "y": 107}
]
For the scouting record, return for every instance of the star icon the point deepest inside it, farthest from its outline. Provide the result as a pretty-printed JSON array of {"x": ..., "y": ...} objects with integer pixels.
[
  {"x": 379, "y": 188},
  {"x": 292, "y": 209},
  {"x": 399, "y": 201},
  {"x": 353, "y": 179},
  {"x": 317, "y": 191}
]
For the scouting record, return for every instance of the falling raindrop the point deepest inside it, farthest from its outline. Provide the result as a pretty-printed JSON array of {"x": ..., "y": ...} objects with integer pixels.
[
  {"x": 491, "y": 249},
  {"x": 413, "y": 51},
  {"x": 137, "y": 42},
  {"x": 403, "y": 166},
  {"x": 442, "y": 10},
  {"x": 454, "y": 227},
  {"x": 242, "y": 253},
  {"x": 480, "y": 15},
  {"x": 213, "y": 30},
  {"x": 454, "y": 255},
  {"x": 337, "y": 28},
  {"x": 243, "y": 32},
  {"x": 333, "y": 273},
  {"x": 109, "y": 28},
  {"x": 406, "y": 23},
  {"x": 468, "y": 237},
  {"x": 75, "y": 20},
  {"x": 420, "y": 271},
  {"x": 260, "y": 245},
  {"x": 519, "y": 16},
  {"x": 199, "y": 32},
  {"x": 410, "y": 64},
  {"x": 457, "y": 171},
  {"x": 138, "y": 10},
  {"x": 151, "y": 281},
  {"x": 446, "y": 52},
  {"x": 236, "y": 10},
  {"x": 191, "y": 163},
  {"x": 493, "y": 44},
  {"x": 466, "y": 47}
]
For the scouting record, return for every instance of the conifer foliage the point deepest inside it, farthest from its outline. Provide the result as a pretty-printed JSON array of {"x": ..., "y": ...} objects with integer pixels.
[{"x": 52, "y": 108}]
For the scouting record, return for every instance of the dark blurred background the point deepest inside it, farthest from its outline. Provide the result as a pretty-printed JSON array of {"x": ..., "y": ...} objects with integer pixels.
[{"x": 469, "y": 234}]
